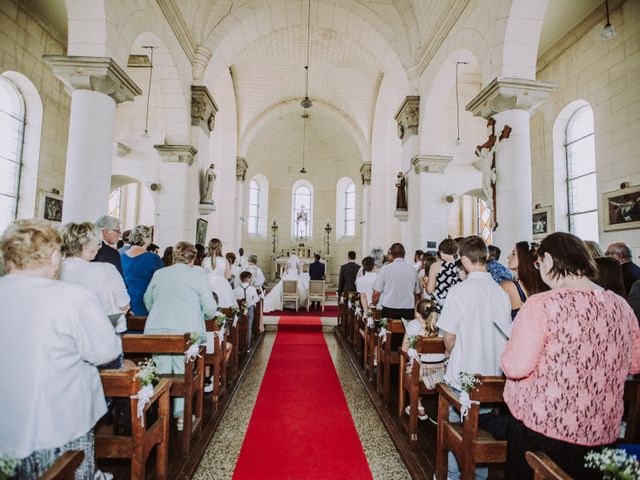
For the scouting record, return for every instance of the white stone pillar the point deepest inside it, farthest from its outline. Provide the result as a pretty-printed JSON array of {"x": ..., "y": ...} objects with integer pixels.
[
  {"x": 365, "y": 174},
  {"x": 241, "y": 172},
  {"x": 432, "y": 223},
  {"x": 408, "y": 117},
  {"x": 512, "y": 101},
  {"x": 96, "y": 85}
]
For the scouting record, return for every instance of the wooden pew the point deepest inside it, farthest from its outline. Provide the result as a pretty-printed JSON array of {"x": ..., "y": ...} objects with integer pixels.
[
  {"x": 217, "y": 361},
  {"x": 188, "y": 386},
  {"x": 257, "y": 318},
  {"x": 243, "y": 324},
  {"x": 233, "y": 338},
  {"x": 544, "y": 468},
  {"x": 137, "y": 446},
  {"x": 632, "y": 410},
  {"x": 411, "y": 384},
  {"x": 469, "y": 444},
  {"x": 136, "y": 323},
  {"x": 387, "y": 358},
  {"x": 342, "y": 312},
  {"x": 370, "y": 342},
  {"x": 349, "y": 298},
  {"x": 64, "y": 468}
]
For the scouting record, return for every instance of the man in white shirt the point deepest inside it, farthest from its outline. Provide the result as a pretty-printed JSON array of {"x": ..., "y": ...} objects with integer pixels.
[
  {"x": 470, "y": 318},
  {"x": 396, "y": 287},
  {"x": 364, "y": 284},
  {"x": 257, "y": 277},
  {"x": 417, "y": 260},
  {"x": 247, "y": 292}
]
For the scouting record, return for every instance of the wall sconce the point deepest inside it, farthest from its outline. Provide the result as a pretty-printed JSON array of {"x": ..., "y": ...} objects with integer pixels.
[{"x": 608, "y": 32}]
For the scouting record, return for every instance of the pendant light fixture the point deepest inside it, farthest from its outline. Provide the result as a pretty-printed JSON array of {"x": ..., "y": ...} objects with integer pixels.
[
  {"x": 305, "y": 115},
  {"x": 458, "y": 141},
  {"x": 150, "y": 50},
  {"x": 306, "y": 102},
  {"x": 609, "y": 31}
]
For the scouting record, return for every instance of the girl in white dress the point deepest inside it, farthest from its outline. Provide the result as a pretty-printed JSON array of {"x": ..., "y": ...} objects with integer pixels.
[
  {"x": 273, "y": 300},
  {"x": 218, "y": 272}
]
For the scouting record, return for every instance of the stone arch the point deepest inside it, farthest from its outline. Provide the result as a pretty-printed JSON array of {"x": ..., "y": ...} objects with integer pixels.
[{"x": 138, "y": 201}]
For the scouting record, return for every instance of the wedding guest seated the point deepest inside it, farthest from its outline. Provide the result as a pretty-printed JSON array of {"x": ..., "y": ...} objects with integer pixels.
[
  {"x": 527, "y": 280},
  {"x": 630, "y": 271},
  {"x": 139, "y": 266},
  {"x": 53, "y": 335},
  {"x": 179, "y": 300},
  {"x": 428, "y": 259},
  {"x": 247, "y": 292},
  {"x": 218, "y": 270},
  {"x": 570, "y": 352},
  {"x": 443, "y": 273},
  {"x": 364, "y": 284},
  {"x": 498, "y": 272},
  {"x": 609, "y": 275},
  {"x": 110, "y": 229},
  {"x": 257, "y": 277},
  {"x": 80, "y": 242},
  {"x": 476, "y": 321},
  {"x": 433, "y": 364},
  {"x": 167, "y": 257},
  {"x": 594, "y": 249}
]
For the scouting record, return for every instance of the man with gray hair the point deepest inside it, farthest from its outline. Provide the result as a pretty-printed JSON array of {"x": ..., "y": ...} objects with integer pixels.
[
  {"x": 110, "y": 229},
  {"x": 630, "y": 271}
]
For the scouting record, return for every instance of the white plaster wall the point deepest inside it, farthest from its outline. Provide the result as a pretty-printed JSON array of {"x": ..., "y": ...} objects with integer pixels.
[{"x": 606, "y": 74}]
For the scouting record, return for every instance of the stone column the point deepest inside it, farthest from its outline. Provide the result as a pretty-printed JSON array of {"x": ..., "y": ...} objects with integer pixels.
[
  {"x": 432, "y": 220},
  {"x": 176, "y": 196},
  {"x": 408, "y": 119},
  {"x": 365, "y": 174},
  {"x": 241, "y": 172},
  {"x": 511, "y": 101},
  {"x": 96, "y": 85}
]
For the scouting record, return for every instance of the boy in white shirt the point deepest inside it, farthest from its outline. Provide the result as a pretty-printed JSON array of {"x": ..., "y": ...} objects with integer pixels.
[
  {"x": 364, "y": 284},
  {"x": 247, "y": 292}
]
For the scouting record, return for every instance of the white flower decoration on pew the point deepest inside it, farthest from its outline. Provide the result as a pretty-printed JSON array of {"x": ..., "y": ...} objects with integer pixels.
[
  {"x": 8, "y": 466},
  {"x": 370, "y": 322},
  {"x": 350, "y": 304},
  {"x": 412, "y": 352},
  {"x": 358, "y": 309},
  {"x": 193, "y": 351},
  {"x": 383, "y": 330},
  {"x": 468, "y": 382},
  {"x": 236, "y": 316},
  {"x": 147, "y": 374},
  {"x": 614, "y": 463},
  {"x": 220, "y": 318}
]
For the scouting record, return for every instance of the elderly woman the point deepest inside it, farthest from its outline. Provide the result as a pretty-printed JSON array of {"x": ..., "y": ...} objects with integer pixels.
[
  {"x": 138, "y": 266},
  {"x": 179, "y": 299},
  {"x": 570, "y": 352},
  {"x": 80, "y": 244},
  {"x": 53, "y": 335}
]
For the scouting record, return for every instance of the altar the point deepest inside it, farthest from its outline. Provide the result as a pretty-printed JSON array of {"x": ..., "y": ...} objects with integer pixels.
[{"x": 280, "y": 263}]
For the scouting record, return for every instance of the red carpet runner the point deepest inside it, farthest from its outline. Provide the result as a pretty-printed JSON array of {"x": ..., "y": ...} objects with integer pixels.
[{"x": 301, "y": 427}]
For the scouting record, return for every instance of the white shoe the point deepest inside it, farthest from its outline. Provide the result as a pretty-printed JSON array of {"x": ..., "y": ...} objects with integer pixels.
[
  {"x": 208, "y": 386},
  {"x": 421, "y": 417},
  {"x": 100, "y": 475}
]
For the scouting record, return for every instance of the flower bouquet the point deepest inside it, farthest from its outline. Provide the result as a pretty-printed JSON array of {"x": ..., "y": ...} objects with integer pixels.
[{"x": 614, "y": 464}]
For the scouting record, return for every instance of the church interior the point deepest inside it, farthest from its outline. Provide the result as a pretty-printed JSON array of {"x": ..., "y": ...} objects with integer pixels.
[{"x": 293, "y": 135}]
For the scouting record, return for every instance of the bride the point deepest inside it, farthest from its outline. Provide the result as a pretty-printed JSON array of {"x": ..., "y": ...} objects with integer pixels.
[{"x": 273, "y": 300}]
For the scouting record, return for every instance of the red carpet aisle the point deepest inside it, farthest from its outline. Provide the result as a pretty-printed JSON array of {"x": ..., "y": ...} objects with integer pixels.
[
  {"x": 329, "y": 311},
  {"x": 301, "y": 427}
]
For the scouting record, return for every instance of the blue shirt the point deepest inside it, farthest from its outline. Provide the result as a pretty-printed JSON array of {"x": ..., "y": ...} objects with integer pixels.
[
  {"x": 499, "y": 272},
  {"x": 138, "y": 272}
]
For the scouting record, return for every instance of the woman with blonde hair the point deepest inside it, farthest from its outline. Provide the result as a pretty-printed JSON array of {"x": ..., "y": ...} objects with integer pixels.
[
  {"x": 54, "y": 334},
  {"x": 594, "y": 248},
  {"x": 138, "y": 267},
  {"x": 218, "y": 271},
  {"x": 80, "y": 244}
]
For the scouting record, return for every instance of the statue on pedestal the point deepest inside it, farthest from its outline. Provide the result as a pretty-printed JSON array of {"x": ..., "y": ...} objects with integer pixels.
[
  {"x": 401, "y": 195},
  {"x": 209, "y": 179}
]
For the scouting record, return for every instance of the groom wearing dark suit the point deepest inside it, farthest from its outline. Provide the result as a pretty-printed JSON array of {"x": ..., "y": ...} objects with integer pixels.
[
  {"x": 316, "y": 269},
  {"x": 348, "y": 273}
]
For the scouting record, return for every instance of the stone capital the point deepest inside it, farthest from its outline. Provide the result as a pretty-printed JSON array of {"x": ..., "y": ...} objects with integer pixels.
[
  {"x": 430, "y": 163},
  {"x": 510, "y": 94},
  {"x": 408, "y": 117},
  {"x": 99, "y": 74},
  {"x": 365, "y": 173},
  {"x": 241, "y": 168},
  {"x": 203, "y": 108},
  {"x": 176, "y": 153}
]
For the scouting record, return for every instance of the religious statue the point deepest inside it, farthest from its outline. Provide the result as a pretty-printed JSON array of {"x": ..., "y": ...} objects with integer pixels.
[
  {"x": 209, "y": 179},
  {"x": 401, "y": 195},
  {"x": 486, "y": 162}
]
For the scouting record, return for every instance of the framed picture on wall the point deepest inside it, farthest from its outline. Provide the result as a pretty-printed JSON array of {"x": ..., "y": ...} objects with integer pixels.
[
  {"x": 542, "y": 222},
  {"x": 201, "y": 231},
  {"x": 621, "y": 209},
  {"x": 51, "y": 206}
]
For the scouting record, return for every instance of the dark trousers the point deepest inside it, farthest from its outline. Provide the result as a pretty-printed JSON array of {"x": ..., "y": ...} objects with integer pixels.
[{"x": 568, "y": 456}]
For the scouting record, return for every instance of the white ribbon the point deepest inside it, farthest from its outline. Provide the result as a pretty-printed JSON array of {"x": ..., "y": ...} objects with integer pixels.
[
  {"x": 192, "y": 352},
  {"x": 221, "y": 333},
  {"x": 235, "y": 320},
  {"x": 413, "y": 355},
  {"x": 340, "y": 300},
  {"x": 383, "y": 334},
  {"x": 358, "y": 311},
  {"x": 349, "y": 304},
  {"x": 465, "y": 403},
  {"x": 370, "y": 322},
  {"x": 144, "y": 398}
]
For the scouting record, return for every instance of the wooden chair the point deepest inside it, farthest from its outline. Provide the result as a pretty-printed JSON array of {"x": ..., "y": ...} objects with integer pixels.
[
  {"x": 632, "y": 410},
  {"x": 316, "y": 293},
  {"x": 234, "y": 339},
  {"x": 188, "y": 385},
  {"x": 544, "y": 468},
  {"x": 137, "y": 446},
  {"x": 136, "y": 323},
  {"x": 217, "y": 361},
  {"x": 411, "y": 384},
  {"x": 387, "y": 358},
  {"x": 290, "y": 292},
  {"x": 469, "y": 444},
  {"x": 370, "y": 342},
  {"x": 64, "y": 468}
]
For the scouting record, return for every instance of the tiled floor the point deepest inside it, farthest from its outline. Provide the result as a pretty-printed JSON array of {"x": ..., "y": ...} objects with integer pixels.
[{"x": 222, "y": 454}]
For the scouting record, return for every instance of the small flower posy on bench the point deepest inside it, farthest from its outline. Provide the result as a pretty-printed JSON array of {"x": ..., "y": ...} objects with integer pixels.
[
  {"x": 195, "y": 340},
  {"x": 358, "y": 309},
  {"x": 8, "y": 467},
  {"x": 220, "y": 318},
  {"x": 614, "y": 464},
  {"x": 383, "y": 330},
  {"x": 468, "y": 382},
  {"x": 147, "y": 374}
]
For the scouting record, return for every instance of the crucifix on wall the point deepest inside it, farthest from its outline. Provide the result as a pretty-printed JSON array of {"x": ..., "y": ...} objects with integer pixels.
[{"x": 486, "y": 163}]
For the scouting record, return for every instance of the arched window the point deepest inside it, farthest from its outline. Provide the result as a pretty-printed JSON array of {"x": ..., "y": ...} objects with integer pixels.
[
  {"x": 254, "y": 206},
  {"x": 302, "y": 210},
  {"x": 11, "y": 143},
  {"x": 350, "y": 210},
  {"x": 582, "y": 194}
]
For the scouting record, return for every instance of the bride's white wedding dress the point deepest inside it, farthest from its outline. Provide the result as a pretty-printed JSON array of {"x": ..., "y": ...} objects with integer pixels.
[{"x": 273, "y": 300}]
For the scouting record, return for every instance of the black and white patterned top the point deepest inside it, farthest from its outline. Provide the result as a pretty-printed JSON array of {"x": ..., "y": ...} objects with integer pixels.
[{"x": 447, "y": 277}]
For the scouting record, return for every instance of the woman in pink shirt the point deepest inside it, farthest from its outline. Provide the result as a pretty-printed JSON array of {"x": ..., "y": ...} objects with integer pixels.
[{"x": 570, "y": 351}]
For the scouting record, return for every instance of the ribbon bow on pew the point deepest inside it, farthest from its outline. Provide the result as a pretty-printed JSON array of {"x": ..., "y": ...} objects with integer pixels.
[{"x": 144, "y": 396}]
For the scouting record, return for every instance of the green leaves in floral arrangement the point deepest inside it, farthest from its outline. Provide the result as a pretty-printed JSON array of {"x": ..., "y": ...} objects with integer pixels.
[
  {"x": 384, "y": 323},
  {"x": 220, "y": 318},
  {"x": 147, "y": 372},
  {"x": 413, "y": 340},
  {"x": 196, "y": 338},
  {"x": 8, "y": 467}
]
